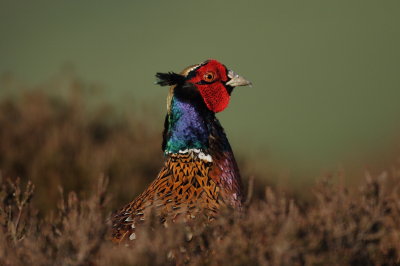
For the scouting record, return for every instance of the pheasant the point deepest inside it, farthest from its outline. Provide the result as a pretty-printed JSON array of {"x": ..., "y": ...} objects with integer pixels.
[{"x": 200, "y": 175}]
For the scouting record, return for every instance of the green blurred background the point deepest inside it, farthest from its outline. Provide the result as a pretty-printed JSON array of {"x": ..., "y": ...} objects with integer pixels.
[{"x": 325, "y": 73}]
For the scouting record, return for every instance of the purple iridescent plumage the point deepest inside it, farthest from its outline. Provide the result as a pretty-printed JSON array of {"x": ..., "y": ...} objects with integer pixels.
[{"x": 187, "y": 127}]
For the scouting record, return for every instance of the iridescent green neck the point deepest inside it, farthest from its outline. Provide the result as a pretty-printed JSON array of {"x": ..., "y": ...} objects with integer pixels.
[{"x": 186, "y": 127}]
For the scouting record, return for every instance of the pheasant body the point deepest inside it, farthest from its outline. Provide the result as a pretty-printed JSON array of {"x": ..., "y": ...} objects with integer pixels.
[{"x": 200, "y": 174}]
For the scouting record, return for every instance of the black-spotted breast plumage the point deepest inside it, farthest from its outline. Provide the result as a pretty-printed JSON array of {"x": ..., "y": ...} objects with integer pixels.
[{"x": 200, "y": 175}]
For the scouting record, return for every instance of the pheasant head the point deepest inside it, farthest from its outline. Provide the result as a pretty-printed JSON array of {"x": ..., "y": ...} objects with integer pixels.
[{"x": 209, "y": 82}]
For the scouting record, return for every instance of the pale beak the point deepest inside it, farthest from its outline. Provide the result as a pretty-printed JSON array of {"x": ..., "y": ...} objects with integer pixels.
[{"x": 236, "y": 80}]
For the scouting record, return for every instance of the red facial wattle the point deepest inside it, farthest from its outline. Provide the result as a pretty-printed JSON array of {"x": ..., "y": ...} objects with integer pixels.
[
  {"x": 214, "y": 93},
  {"x": 215, "y": 96}
]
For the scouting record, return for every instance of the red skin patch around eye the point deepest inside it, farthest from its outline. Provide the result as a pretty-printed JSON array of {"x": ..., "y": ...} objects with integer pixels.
[{"x": 215, "y": 95}]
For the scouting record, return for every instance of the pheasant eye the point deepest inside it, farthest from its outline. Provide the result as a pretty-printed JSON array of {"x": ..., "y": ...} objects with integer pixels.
[{"x": 209, "y": 77}]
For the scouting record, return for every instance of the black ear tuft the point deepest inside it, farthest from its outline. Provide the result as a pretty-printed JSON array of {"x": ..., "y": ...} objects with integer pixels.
[{"x": 169, "y": 79}]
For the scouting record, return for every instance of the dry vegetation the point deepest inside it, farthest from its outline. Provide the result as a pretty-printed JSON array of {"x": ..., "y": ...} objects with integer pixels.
[
  {"x": 57, "y": 142},
  {"x": 59, "y": 146}
]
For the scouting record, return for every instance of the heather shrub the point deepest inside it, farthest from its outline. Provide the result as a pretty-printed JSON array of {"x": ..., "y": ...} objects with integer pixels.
[
  {"x": 337, "y": 228},
  {"x": 55, "y": 142}
]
